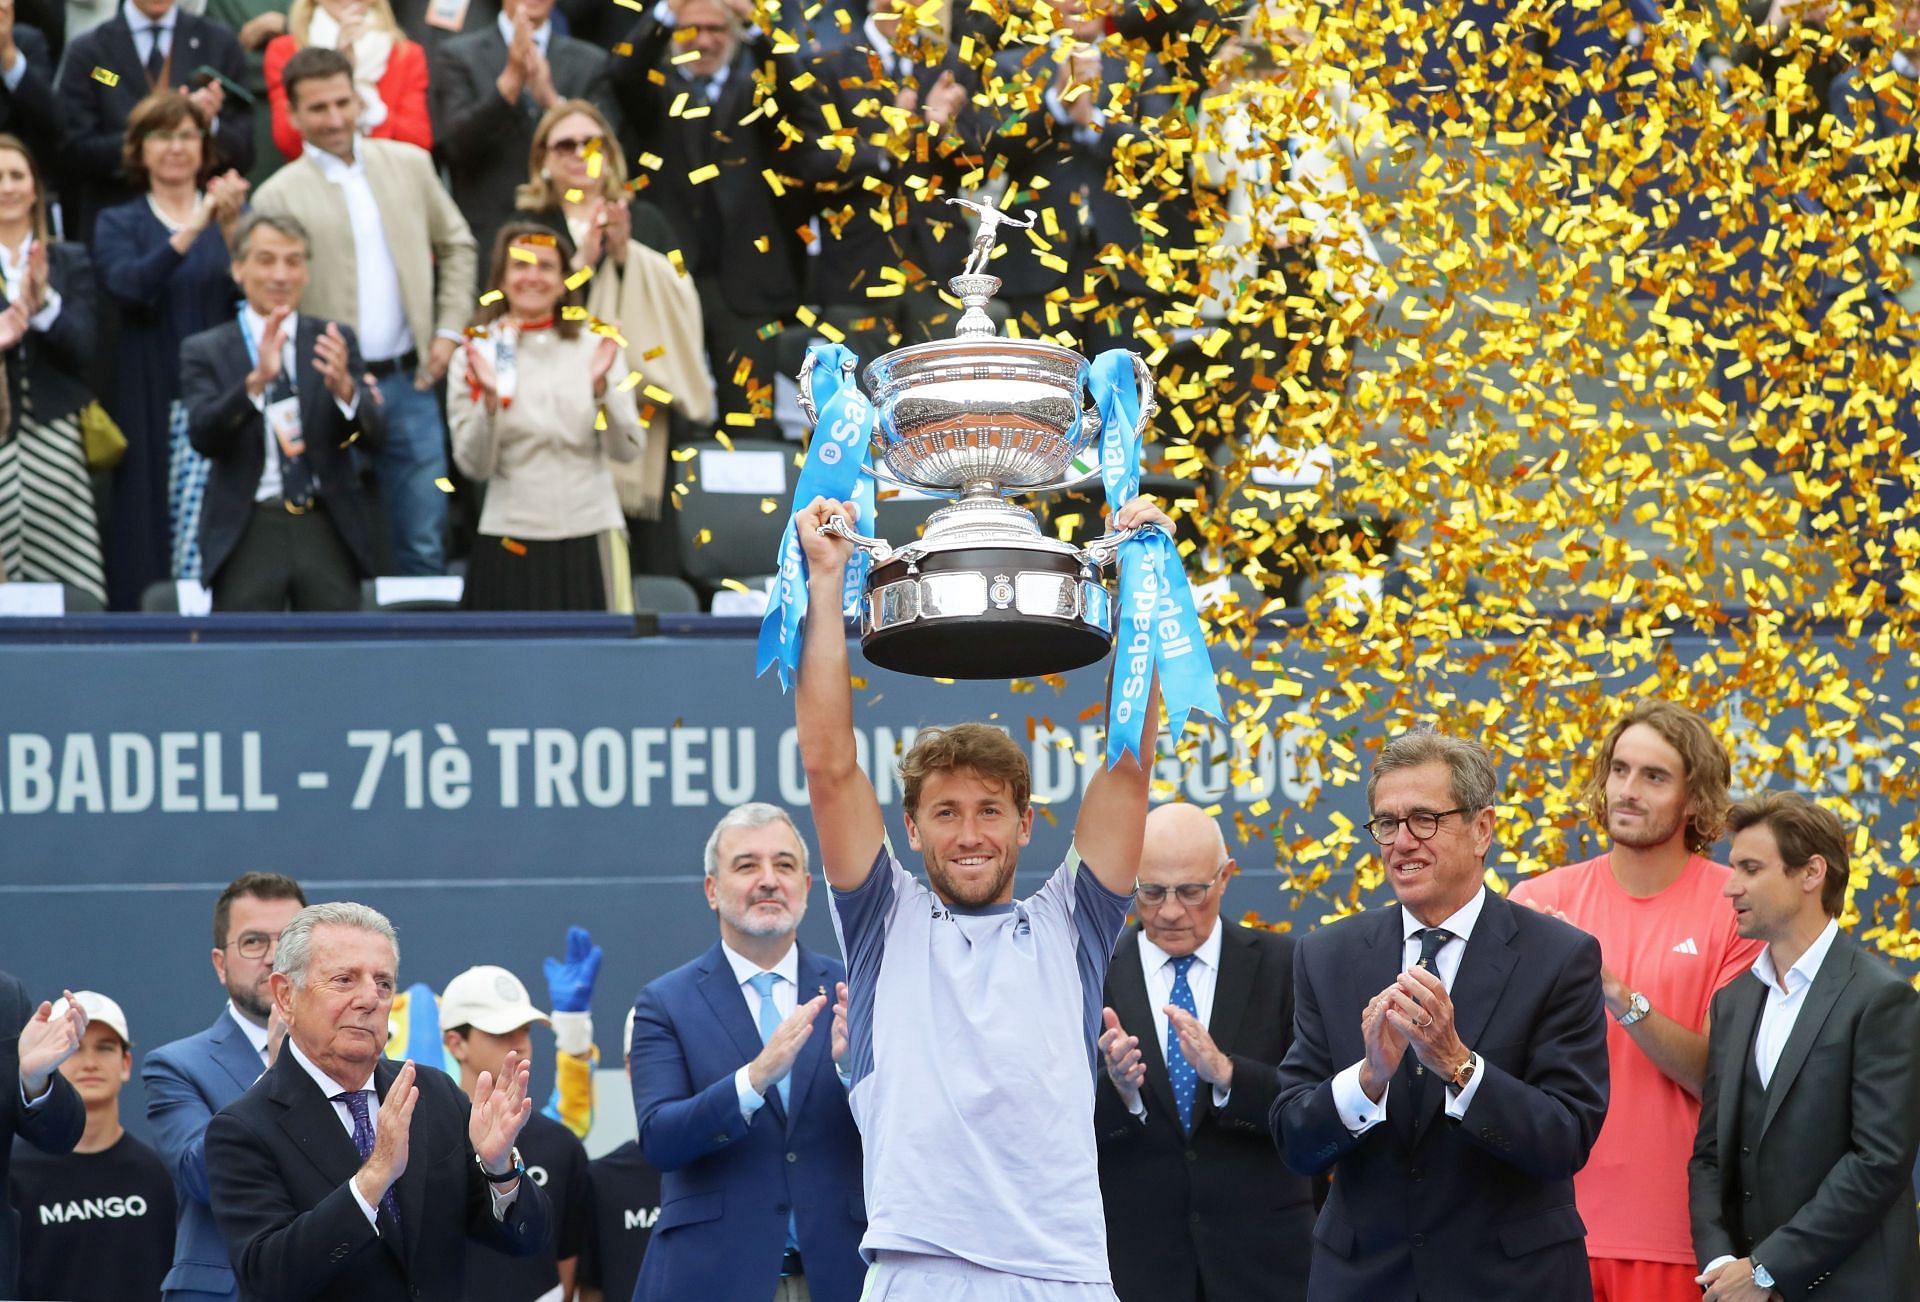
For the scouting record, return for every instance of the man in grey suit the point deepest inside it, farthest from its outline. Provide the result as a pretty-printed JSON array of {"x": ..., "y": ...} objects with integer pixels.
[
  {"x": 490, "y": 89},
  {"x": 1801, "y": 1182}
]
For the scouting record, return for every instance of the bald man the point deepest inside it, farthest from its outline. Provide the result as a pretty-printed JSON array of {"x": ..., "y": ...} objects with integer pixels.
[{"x": 1198, "y": 1017}]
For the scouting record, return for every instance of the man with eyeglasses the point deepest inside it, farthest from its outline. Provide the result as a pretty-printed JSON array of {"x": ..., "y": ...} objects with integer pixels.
[
  {"x": 1449, "y": 1062},
  {"x": 1197, "y": 1206},
  {"x": 191, "y": 1079}
]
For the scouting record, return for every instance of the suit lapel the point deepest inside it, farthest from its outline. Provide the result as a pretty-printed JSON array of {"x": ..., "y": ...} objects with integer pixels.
[
  {"x": 1743, "y": 1014},
  {"x": 311, "y": 1121},
  {"x": 1831, "y": 982},
  {"x": 1485, "y": 964},
  {"x": 1232, "y": 988},
  {"x": 1128, "y": 982},
  {"x": 722, "y": 994},
  {"x": 816, "y": 1055},
  {"x": 234, "y": 1052}
]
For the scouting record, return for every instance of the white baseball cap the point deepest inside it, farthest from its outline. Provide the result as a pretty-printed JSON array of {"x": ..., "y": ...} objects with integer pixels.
[
  {"x": 98, "y": 1008},
  {"x": 489, "y": 999}
]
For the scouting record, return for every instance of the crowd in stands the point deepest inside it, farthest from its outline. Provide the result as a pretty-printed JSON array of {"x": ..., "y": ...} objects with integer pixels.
[{"x": 722, "y": 183}]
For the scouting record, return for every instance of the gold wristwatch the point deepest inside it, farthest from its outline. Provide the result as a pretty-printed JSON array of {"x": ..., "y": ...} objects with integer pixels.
[{"x": 1465, "y": 1074}]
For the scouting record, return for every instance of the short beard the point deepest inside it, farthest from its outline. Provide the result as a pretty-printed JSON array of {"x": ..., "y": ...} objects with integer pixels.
[
  {"x": 749, "y": 925},
  {"x": 1655, "y": 835},
  {"x": 250, "y": 1003},
  {"x": 988, "y": 892}
]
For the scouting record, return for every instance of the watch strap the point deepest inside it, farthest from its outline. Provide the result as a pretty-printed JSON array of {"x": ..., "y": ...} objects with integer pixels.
[{"x": 514, "y": 1170}]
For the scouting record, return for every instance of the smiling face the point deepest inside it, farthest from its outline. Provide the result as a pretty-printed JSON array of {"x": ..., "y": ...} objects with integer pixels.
[
  {"x": 1647, "y": 795},
  {"x": 17, "y": 191},
  {"x": 1771, "y": 900},
  {"x": 338, "y": 1015},
  {"x": 571, "y": 145},
  {"x": 99, "y": 1067},
  {"x": 273, "y": 271},
  {"x": 326, "y": 113},
  {"x": 702, "y": 26},
  {"x": 1433, "y": 879},
  {"x": 970, "y": 833},
  {"x": 533, "y": 281},
  {"x": 172, "y": 155},
  {"x": 759, "y": 887}
]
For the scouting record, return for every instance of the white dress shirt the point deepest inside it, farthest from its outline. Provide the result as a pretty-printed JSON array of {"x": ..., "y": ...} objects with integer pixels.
[
  {"x": 1785, "y": 999},
  {"x": 380, "y": 316},
  {"x": 256, "y": 1035},
  {"x": 1156, "y": 965},
  {"x": 1360, "y": 1113},
  {"x": 786, "y": 997},
  {"x": 139, "y": 24},
  {"x": 329, "y": 1087},
  {"x": 13, "y": 266}
]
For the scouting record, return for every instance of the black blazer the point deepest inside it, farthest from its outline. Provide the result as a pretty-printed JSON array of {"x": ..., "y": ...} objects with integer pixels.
[
  {"x": 1214, "y": 1211},
  {"x": 28, "y": 110},
  {"x": 94, "y": 114},
  {"x": 716, "y": 224},
  {"x": 224, "y": 426},
  {"x": 278, "y": 1162},
  {"x": 1833, "y": 1202},
  {"x": 926, "y": 230},
  {"x": 52, "y": 1127},
  {"x": 1452, "y": 1211},
  {"x": 485, "y": 141},
  {"x": 52, "y": 367}
]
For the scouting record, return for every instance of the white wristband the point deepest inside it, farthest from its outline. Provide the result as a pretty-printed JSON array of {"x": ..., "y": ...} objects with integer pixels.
[{"x": 573, "y": 1033}]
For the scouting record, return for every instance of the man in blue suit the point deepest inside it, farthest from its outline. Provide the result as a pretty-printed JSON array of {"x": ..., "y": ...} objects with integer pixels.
[
  {"x": 737, "y": 1097},
  {"x": 191, "y": 1079},
  {"x": 1449, "y": 1061}
]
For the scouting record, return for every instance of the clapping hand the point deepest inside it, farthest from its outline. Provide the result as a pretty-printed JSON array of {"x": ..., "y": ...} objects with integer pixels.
[
  {"x": 210, "y": 97},
  {"x": 481, "y": 376},
  {"x": 1126, "y": 1068},
  {"x": 47, "y": 1041},
  {"x": 1197, "y": 1046},
  {"x": 226, "y": 196},
  {"x": 392, "y": 1138},
  {"x": 330, "y": 359},
  {"x": 603, "y": 359},
  {"x": 944, "y": 101},
  {"x": 500, "y": 1111},
  {"x": 267, "y": 368},
  {"x": 784, "y": 1046}
]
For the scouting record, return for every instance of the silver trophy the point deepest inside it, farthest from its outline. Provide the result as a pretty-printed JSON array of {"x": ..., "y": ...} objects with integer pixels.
[{"x": 983, "y": 593}]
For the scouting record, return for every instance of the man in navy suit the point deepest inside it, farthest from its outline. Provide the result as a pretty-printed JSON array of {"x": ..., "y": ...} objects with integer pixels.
[
  {"x": 1449, "y": 1061},
  {"x": 149, "y": 45},
  {"x": 191, "y": 1079},
  {"x": 737, "y": 1097}
]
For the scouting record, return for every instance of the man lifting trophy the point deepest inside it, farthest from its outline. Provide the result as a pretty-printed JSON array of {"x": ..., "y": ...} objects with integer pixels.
[{"x": 970, "y": 1018}]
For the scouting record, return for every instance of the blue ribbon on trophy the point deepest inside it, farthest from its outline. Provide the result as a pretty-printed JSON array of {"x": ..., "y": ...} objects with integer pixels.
[
  {"x": 1157, "y": 625},
  {"x": 836, "y": 455}
]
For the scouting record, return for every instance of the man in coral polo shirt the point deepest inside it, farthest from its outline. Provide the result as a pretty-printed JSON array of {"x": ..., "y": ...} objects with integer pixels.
[{"x": 1667, "y": 943}]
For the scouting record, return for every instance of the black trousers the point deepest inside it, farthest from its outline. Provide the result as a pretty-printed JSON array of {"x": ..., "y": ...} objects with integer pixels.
[{"x": 288, "y": 562}]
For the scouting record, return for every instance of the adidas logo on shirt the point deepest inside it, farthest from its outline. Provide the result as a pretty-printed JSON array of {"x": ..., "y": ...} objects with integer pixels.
[{"x": 1686, "y": 947}]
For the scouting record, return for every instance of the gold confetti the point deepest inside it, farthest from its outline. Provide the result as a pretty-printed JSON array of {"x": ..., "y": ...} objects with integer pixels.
[{"x": 701, "y": 175}]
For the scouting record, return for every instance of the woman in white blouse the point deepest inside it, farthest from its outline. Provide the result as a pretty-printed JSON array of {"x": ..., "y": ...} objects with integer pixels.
[{"x": 539, "y": 405}]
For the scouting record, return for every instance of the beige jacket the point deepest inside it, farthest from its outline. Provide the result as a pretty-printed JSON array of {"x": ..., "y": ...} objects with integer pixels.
[
  {"x": 658, "y": 312},
  {"x": 432, "y": 247},
  {"x": 544, "y": 463}
]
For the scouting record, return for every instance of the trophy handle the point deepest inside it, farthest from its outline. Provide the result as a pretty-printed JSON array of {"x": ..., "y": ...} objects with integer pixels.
[
  {"x": 805, "y": 383},
  {"x": 873, "y": 470},
  {"x": 1101, "y": 551},
  {"x": 878, "y": 548}
]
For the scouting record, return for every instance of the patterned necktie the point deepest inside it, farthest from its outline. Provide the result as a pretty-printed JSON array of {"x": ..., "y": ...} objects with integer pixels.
[
  {"x": 1186, "y": 1082},
  {"x": 769, "y": 1017},
  {"x": 1432, "y": 941},
  {"x": 356, "y": 1101}
]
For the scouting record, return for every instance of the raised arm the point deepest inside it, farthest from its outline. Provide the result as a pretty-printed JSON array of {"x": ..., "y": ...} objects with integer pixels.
[
  {"x": 1113, "y": 813},
  {"x": 846, "y": 812}
]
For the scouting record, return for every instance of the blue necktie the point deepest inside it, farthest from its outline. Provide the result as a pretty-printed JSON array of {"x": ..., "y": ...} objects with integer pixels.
[
  {"x": 769, "y": 1017},
  {"x": 769, "y": 1023},
  {"x": 356, "y": 1101},
  {"x": 1432, "y": 941},
  {"x": 1185, "y": 1081}
]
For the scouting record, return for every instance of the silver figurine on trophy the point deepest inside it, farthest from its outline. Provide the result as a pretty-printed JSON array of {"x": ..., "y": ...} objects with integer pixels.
[{"x": 983, "y": 594}]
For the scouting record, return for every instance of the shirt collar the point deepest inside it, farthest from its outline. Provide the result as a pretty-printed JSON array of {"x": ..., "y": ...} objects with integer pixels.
[
  {"x": 1804, "y": 969},
  {"x": 1460, "y": 924},
  {"x": 328, "y": 1085},
  {"x": 1208, "y": 954},
  {"x": 256, "y": 1035},
  {"x": 335, "y": 169},
  {"x": 745, "y": 969},
  {"x": 540, "y": 33},
  {"x": 139, "y": 22}
]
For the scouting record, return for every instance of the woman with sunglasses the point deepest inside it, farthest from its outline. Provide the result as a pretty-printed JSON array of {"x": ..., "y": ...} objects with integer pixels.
[
  {"x": 538, "y": 406},
  {"x": 577, "y": 184}
]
